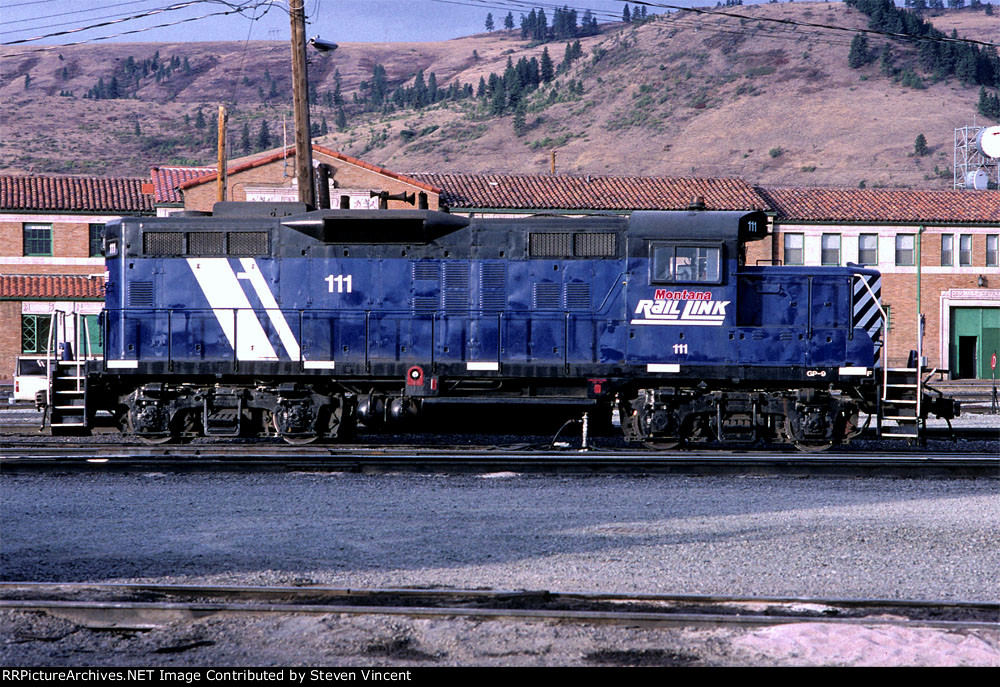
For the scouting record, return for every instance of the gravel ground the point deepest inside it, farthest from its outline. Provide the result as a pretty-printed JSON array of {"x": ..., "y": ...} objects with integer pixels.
[{"x": 860, "y": 537}]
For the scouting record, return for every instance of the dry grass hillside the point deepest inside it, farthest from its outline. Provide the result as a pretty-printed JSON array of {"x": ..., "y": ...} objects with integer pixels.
[{"x": 682, "y": 95}]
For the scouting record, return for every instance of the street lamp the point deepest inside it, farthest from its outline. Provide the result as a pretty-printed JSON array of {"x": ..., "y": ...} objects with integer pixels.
[{"x": 322, "y": 45}]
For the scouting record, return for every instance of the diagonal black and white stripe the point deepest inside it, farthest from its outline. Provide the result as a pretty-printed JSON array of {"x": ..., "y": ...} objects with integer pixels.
[{"x": 867, "y": 315}]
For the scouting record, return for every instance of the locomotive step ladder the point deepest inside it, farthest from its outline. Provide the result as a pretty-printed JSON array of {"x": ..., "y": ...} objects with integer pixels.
[
  {"x": 66, "y": 396},
  {"x": 901, "y": 404},
  {"x": 67, "y": 406}
]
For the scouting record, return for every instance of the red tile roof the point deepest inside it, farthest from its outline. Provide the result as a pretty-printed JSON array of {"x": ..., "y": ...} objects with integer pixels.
[
  {"x": 540, "y": 192},
  {"x": 76, "y": 194},
  {"x": 167, "y": 178},
  {"x": 290, "y": 152},
  {"x": 30, "y": 286},
  {"x": 882, "y": 205}
]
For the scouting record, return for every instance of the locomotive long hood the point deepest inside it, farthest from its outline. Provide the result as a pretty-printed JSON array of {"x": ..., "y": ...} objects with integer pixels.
[{"x": 375, "y": 226}]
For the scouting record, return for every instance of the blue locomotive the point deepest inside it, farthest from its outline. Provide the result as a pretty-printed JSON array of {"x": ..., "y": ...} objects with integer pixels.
[{"x": 268, "y": 319}]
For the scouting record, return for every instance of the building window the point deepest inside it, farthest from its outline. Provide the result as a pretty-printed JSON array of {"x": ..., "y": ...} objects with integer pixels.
[
  {"x": 947, "y": 250},
  {"x": 888, "y": 316},
  {"x": 794, "y": 252},
  {"x": 37, "y": 239},
  {"x": 96, "y": 240},
  {"x": 868, "y": 249},
  {"x": 965, "y": 250},
  {"x": 830, "y": 251},
  {"x": 35, "y": 333},
  {"x": 992, "y": 249},
  {"x": 904, "y": 249}
]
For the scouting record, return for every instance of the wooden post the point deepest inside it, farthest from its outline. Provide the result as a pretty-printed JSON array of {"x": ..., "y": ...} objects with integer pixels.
[
  {"x": 300, "y": 101},
  {"x": 221, "y": 177}
]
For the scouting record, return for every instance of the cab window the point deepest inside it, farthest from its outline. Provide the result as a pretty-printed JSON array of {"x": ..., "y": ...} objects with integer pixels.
[{"x": 686, "y": 264}]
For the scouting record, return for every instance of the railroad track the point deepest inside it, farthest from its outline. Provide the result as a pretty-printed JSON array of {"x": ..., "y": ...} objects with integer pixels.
[
  {"x": 49, "y": 457},
  {"x": 147, "y": 606}
]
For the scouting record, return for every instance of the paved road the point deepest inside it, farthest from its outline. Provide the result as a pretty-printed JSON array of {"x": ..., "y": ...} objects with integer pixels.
[{"x": 758, "y": 535}]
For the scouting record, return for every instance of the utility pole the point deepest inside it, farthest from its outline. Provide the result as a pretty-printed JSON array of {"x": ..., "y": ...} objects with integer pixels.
[
  {"x": 300, "y": 101},
  {"x": 221, "y": 177}
]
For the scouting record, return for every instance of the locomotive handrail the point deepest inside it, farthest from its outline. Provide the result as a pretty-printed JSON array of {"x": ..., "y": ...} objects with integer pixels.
[
  {"x": 614, "y": 287},
  {"x": 49, "y": 359},
  {"x": 885, "y": 336}
]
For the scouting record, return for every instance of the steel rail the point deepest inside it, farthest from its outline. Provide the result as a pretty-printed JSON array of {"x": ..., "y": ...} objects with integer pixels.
[
  {"x": 148, "y": 614},
  {"x": 926, "y": 466}
]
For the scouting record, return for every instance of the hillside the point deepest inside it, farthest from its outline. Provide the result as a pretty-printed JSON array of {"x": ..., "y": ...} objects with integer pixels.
[{"x": 685, "y": 95}]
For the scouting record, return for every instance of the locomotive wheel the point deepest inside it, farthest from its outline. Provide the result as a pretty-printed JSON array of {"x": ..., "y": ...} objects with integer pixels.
[
  {"x": 296, "y": 439},
  {"x": 150, "y": 439},
  {"x": 662, "y": 445},
  {"x": 812, "y": 447}
]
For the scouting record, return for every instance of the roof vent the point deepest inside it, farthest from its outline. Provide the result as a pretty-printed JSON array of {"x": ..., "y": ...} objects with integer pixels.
[{"x": 698, "y": 203}]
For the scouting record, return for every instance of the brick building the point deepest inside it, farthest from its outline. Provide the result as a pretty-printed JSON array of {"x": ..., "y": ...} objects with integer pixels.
[
  {"x": 511, "y": 195},
  {"x": 271, "y": 177},
  {"x": 50, "y": 252},
  {"x": 952, "y": 235}
]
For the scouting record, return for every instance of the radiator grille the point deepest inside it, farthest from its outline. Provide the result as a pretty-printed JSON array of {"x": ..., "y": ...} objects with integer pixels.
[
  {"x": 594, "y": 245},
  {"x": 550, "y": 245},
  {"x": 248, "y": 243},
  {"x": 163, "y": 243},
  {"x": 206, "y": 243}
]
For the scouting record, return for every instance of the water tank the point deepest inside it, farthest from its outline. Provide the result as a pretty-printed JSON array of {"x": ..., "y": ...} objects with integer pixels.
[
  {"x": 977, "y": 180},
  {"x": 988, "y": 141}
]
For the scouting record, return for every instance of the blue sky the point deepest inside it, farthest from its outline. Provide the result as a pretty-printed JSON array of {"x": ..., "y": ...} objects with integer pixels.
[{"x": 337, "y": 20}]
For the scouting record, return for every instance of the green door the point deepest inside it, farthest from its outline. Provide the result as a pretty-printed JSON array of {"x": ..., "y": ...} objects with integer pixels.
[{"x": 975, "y": 337}]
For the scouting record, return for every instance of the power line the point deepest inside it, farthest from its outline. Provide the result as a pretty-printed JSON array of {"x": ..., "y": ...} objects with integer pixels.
[
  {"x": 829, "y": 27},
  {"x": 71, "y": 23},
  {"x": 235, "y": 8},
  {"x": 23, "y": 4},
  {"x": 123, "y": 33}
]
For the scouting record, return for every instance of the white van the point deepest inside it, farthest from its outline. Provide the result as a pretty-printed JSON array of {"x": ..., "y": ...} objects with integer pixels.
[{"x": 29, "y": 378}]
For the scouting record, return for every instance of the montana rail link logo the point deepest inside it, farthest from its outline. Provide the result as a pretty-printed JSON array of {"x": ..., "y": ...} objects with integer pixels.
[{"x": 681, "y": 307}]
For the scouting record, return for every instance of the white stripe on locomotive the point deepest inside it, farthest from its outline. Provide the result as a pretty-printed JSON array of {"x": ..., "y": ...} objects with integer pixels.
[
  {"x": 225, "y": 295},
  {"x": 252, "y": 274}
]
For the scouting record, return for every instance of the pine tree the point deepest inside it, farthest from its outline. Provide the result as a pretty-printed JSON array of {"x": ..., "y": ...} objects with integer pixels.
[
  {"x": 432, "y": 88},
  {"x": 520, "y": 124},
  {"x": 263, "y": 136},
  {"x": 920, "y": 146},
  {"x": 859, "y": 55},
  {"x": 626, "y": 14},
  {"x": 508, "y": 21},
  {"x": 489, "y": 22},
  {"x": 245, "y": 145},
  {"x": 547, "y": 70},
  {"x": 199, "y": 119},
  {"x": 340, "y": 119}
]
